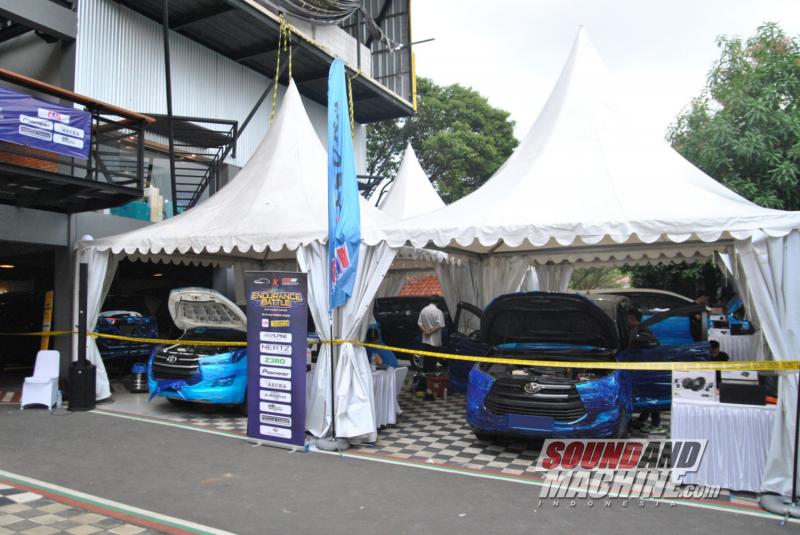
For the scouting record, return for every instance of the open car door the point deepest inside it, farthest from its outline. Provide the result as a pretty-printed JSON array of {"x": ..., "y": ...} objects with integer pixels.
[
  {"x": 653, "y": 389},
  {"x": 465, "y": 339}
]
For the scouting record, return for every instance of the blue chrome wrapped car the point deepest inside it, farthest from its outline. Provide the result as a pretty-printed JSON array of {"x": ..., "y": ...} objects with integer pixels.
[
  {"x": 125, "y": 316},
  {"x": 543, "y": 401},
  {"x": 204, "y": 374}
]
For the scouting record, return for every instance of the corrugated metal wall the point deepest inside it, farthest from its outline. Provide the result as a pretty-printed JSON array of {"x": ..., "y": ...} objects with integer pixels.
[
  {"x": 391, "y": 68},
  {"x": 120, "y": 59}
]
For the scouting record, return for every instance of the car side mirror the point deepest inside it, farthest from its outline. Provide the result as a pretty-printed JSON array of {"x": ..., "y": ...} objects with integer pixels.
[{"x": 644, "y": 340}]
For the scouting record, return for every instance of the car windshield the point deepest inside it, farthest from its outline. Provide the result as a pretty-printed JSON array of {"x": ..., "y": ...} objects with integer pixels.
[
  {"x": 211, "y": 334},
  {"x": 549, "y": 326}
]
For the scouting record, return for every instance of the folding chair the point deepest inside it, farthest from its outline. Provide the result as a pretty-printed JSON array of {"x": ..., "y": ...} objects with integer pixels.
[{"x": 42, "y": 387}]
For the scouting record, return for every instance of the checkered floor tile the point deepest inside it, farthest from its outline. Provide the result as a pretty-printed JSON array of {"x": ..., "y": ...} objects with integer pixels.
[
  {"x": 436, "y": 432},
  {"x": 22, "y": 511},
  {"x": 10, "y": 396}
]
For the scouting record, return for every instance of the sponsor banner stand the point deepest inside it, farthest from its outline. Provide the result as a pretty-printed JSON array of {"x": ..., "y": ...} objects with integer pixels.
[{"x": 277, "y": 325}]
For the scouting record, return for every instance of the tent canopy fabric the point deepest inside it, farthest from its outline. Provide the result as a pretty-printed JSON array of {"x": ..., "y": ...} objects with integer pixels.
[
  {"x": 275, "y": 210},
  {"x": 584, "y": 182},
  {"x": 411, "y": 193},
  {"x": 277, "y": 202}
]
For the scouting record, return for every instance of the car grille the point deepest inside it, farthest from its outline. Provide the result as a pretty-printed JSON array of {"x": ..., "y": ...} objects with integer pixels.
[
  {"x": 559, "y": 401},
  {"x": 172, "y": 364}
]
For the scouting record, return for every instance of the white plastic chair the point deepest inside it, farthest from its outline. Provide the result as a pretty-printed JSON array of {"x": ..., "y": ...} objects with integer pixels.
[
  {"x": 42, "y": 388},
  {"x": 400, "y": 375}
]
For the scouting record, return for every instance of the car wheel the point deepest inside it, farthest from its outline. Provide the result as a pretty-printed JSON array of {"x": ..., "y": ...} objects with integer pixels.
[
  {"x": 242, "y": 407},
  {"x": 484, "y": 436}
]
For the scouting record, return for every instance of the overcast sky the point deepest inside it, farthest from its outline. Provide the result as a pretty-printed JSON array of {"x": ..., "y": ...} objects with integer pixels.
[{"x": 512, "y": 51}]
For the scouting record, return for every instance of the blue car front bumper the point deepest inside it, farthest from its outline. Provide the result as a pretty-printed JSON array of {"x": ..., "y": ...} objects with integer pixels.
[
  {"x": 220, "y": 379},
  {"x": 606, "y": 401}
]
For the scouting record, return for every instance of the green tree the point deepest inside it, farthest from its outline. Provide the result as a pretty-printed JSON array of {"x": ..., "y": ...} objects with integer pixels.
[
  {"x": 685, "y": 279},
  {"x": 459, "y": 138},
  {"x": 591, "y": 278},
  {"x": 744, "y": 128}
]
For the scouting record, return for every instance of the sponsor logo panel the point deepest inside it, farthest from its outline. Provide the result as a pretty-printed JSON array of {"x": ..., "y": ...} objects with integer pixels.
[
  {"x": 268, "y": 336},
  {"x": 276, "y": 384},
  {"x": 272, "y": 431},
  {"x": 272, "y": 419},
  {"x": 279, "y": 373},
  {"x": 276, "y": 349},
  {"x": 271, "y": 360},
  {"x": 271, "y": 395},
  {"x": 277, "y": 408}
]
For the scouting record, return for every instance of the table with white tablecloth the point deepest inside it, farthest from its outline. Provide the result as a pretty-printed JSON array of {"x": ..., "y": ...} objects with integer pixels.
[
  {"x": 386, "y": 386},
  {"x": 737, "y": 346},
  {"x": 738, "y": 439}
]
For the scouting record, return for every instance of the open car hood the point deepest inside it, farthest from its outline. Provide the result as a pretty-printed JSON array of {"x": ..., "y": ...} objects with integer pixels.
[
  {"x": 202, "y": 307},
  {"x": 545, "y": 318}
]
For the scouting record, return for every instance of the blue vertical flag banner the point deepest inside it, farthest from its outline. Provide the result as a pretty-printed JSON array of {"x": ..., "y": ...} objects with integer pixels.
[
  {"x": 344, "y": 217},
  {"x": 277, "y": 327},
  {"x": 32, "y": 122}
]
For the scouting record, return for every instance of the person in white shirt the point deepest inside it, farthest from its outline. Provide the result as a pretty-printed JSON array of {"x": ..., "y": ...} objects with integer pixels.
[{"x": 431, "y": 323}]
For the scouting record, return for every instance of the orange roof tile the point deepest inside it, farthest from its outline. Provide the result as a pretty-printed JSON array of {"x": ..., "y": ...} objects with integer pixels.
[{"x": 426, "y": 285}]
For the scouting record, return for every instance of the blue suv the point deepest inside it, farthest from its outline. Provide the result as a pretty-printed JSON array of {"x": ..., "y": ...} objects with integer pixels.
[
  {"x": 544, "y": 401},
  {"x": 204, "y": 374}
]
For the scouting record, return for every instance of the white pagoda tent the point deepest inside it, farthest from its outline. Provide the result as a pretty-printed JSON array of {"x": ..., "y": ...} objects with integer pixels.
[
  {"x": 586, "y": 187},
  {"x": 272, "y": 215}
]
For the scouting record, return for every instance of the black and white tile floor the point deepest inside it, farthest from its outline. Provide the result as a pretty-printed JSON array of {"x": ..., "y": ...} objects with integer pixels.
[{"x": 23, "y": 511}]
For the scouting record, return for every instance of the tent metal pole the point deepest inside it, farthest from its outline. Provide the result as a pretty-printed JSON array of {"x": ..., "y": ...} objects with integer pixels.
[
  {"x": 170, "y": 133},
  {"x": 334, "y": 359},
  {"x": 796, "y": 437}
]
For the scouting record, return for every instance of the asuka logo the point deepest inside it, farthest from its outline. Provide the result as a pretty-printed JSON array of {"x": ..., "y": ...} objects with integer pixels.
[{"x": 628, "y": 469}]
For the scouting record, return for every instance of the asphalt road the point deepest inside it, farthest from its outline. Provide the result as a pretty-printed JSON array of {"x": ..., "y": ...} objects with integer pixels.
[{"x": 233, "y": 485}]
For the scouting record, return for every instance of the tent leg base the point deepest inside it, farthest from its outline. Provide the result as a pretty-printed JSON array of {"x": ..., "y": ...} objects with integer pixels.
[
  {"x": 332, "y": 444},
  {"x": 780, "y": 505}
]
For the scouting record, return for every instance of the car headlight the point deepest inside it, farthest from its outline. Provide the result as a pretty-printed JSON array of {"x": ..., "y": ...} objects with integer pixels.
[{"x": 224, "y": 358}]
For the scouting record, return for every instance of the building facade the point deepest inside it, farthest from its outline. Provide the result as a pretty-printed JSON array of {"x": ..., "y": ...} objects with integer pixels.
[{"x": 223, "y": 57}]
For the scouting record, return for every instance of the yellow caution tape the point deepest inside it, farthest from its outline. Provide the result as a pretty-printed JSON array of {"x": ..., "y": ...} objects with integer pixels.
[
  {"x": 753, "y": 365},
  {"x": 40, "y": 333},
  {"x": 759, "y": 365}
]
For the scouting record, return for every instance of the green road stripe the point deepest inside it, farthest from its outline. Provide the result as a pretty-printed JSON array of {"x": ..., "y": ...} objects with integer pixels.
[
  {"x": 103, "y": 503},
  {"x": 458, "y": 471}
]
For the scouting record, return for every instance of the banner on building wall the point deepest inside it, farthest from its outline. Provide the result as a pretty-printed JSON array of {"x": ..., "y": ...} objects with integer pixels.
[
  {"x": 36, "y": 123},
  {"x": 277, "y": 325}
]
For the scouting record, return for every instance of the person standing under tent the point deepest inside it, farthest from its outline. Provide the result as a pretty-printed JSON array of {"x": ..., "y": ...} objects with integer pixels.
[
  {"x": 696, "y": 321},
  {"x": 430, "y": 322},
  {"x": 717, "y": 355},
  {"x": 633, "y": 318}
]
